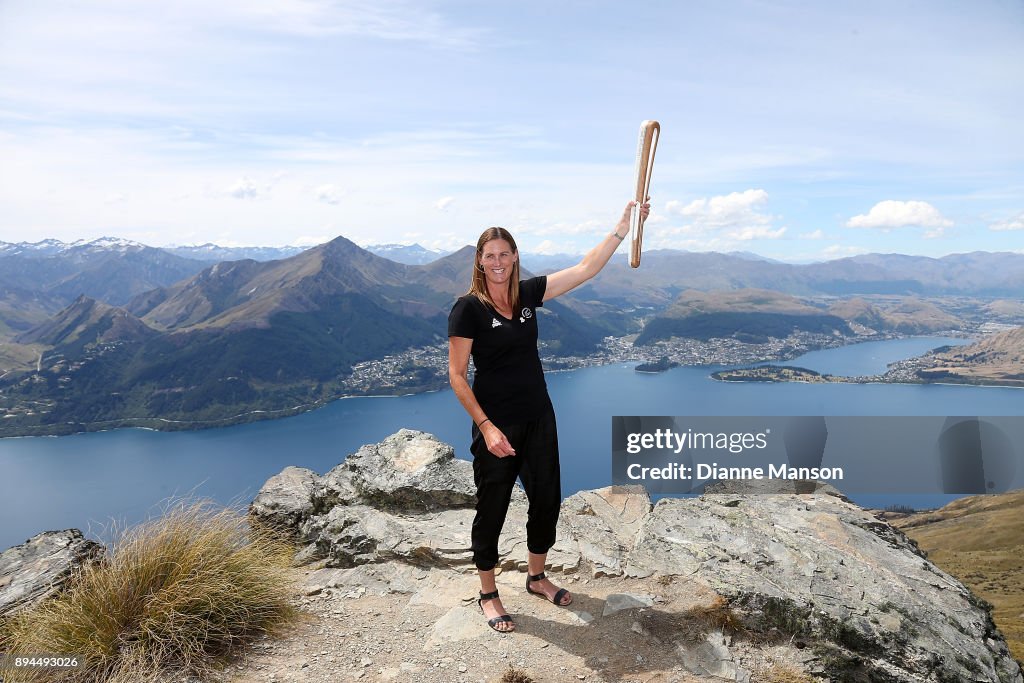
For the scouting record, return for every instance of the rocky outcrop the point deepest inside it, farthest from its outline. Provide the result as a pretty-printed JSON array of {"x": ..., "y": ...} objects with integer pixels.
[
  {"x": 40, "y": 567},
  {"x": 852, "y": 597},
  {"x": 408, "y": 498},
  {"x": 821, "y": 569}
]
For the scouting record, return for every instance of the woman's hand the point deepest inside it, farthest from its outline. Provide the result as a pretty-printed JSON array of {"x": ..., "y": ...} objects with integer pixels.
[
  {"x": 567, "y": 279},
  {"x": 645, "y": 210},
  {"x": 496, "y": 441}
]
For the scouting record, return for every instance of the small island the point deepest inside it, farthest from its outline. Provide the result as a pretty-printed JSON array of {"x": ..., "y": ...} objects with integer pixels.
[
  {"x": 660, "y": 365},
  {"x": 774, "y": 373}
]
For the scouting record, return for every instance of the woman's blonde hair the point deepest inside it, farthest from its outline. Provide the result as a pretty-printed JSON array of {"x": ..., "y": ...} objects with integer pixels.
[{"x": 479, "y": 286}]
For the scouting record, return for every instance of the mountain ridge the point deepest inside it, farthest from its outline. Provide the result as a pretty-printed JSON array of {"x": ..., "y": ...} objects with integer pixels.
[{"x": 247, "y": 339}]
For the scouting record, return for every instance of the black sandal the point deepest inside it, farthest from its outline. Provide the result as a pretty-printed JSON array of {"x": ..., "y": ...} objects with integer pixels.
[
  {"x": 558, "y": 596},
  {"x": 493, "y": 623}
]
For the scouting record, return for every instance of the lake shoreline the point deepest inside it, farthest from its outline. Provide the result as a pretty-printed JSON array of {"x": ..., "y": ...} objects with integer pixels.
[
  {"x": 614, "y": 350},
  {"x": 124, "y": 474}
]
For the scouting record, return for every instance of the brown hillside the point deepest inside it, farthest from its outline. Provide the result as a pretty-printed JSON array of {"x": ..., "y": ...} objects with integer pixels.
[
  {"x": 997, "y": 359},
  {"x": 980, "y": 540}
]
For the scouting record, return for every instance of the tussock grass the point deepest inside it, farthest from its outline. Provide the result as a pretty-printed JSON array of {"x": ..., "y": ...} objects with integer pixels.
[
  {"x": 781, "y": 673},
  {"x": 695, "y": 623},
  {"x": 514, "y": 675},
  {"x": 178, "y": 594},
  {"x": 716, "y": 615}
]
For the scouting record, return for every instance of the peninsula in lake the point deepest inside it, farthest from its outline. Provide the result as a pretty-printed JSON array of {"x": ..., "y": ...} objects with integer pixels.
[{"x": 997, "y": 360}]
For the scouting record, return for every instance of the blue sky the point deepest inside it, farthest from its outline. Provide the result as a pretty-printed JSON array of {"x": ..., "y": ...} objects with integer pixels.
[{"x": 795, "y": 130}]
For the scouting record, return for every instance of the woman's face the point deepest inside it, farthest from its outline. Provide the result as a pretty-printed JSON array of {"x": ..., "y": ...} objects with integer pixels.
[{"x": 496, "y": 261}]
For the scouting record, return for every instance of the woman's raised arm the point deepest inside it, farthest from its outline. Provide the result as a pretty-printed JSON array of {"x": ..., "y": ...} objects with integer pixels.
[{"x": 595, "y": 259}]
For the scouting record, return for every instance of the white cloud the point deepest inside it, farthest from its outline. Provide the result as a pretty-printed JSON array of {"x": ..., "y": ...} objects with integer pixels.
[
  {"x": 329, "y": 194},
  {"x": 1015, "y": 223},
  {"x": 734, "y": 210},
  {"x": 756, "y": 233},
  {"x": 310, "y": 240},
  {"x": 387, "y": 20},
  {"x": 244, "y": 188},
  {"x": 531, "y": 225},
  {"x": 548, "y": 247},
  {"x": 891, "y": 214},
  {"x": 661, "y": 241},
  {"x": 443, "y": 203},
  {"x": 719, "y": 222},
  {"x": 816, "y": 235},
  {"x": 446, "y": 242},
  {"x": 841, "y": 250}
]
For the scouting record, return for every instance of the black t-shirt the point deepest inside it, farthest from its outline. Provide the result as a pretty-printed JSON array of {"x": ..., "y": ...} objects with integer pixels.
[{"x": 509, "y": 383}]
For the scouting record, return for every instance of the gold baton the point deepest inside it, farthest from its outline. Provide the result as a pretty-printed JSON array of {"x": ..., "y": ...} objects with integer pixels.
[{"x": 650, "y": 131}]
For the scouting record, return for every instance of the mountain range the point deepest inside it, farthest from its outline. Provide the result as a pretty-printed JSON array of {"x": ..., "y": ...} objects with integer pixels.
[
  {"x": 665, "y": 273},
  {"x": 244, "y": 336},
  {"x": 101, "y": 331}
]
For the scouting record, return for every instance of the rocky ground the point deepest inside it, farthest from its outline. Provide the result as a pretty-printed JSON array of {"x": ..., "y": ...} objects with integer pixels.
[{"x": 424, "y": 626}]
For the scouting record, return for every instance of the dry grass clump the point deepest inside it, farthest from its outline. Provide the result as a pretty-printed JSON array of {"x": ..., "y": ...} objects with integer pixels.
[
  {"x": 514, "y": 675},
  {"x": 695, "y": 623},
  {"x": 781, "y": 673},
  {"x": 178, "y": 594},
  {"x": 716, "y": 615}
]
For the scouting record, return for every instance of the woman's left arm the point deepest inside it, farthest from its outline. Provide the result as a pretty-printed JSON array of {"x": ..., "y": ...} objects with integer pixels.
[{"x": 595, "y": 259}]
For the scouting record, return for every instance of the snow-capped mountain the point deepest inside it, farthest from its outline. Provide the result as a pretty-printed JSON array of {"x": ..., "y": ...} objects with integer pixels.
[
  {"x": 409, "y": 254},
  {"x": 109, "y": 269},
  {"x": 52, "y": 247},
  {"x": 215, "y": 253},
  {"x": 41, "y": 248}
]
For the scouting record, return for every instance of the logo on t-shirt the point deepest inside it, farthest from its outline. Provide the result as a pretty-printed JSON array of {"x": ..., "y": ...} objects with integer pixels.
[
  {"x": 527, "y": 313},
  {"x": 495, "y": 323}
]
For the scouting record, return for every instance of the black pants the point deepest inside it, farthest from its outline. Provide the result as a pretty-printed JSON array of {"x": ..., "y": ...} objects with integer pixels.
[{"x": 536, "y": 464}]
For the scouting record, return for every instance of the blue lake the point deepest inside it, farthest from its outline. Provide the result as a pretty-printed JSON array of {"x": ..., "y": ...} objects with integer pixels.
[{"x": 90, "y": 481}]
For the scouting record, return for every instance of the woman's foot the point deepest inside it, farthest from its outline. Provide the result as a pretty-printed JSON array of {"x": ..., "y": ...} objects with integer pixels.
[
  {"x": 495, "y": 613},
  {"x": 539, "y": 584}
]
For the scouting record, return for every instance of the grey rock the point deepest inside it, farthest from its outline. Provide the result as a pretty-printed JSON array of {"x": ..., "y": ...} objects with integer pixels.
[
  {"x": 388, "y": 577},
  {"x": 710, "y": 657},
  {"x": 286, "y": 499},
  {"x": 601, "y": 526},
  {"x": 583, "y": 618},
  {"x": 40, "y": 567},
  {"x": 348, "y": 536},
  {"x": 408, "y": 470},
  {"x": 459, "y": 623},
  {"x": 800, "y": 486},
  {"x": 617, "y": 602},
  {"x": 406, "y": 498},
  {"x": 823, "y": 568}
]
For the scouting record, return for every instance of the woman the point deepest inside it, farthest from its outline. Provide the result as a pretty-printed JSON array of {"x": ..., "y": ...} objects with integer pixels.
[{"x": 513, "y": 422}]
